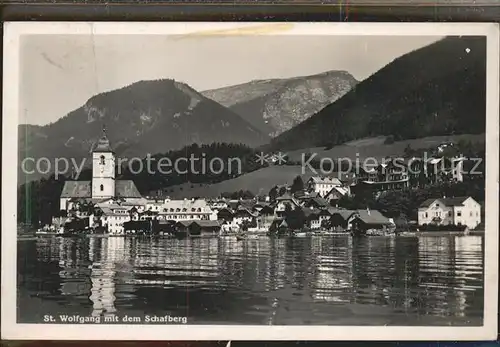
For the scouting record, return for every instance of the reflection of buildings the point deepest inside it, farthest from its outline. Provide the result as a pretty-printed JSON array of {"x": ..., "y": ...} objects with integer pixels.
[
  {"x": 435, "y": 263},
  {"x": 469, "y": 264},
  {"x": 334, "y": 267},
  {"x": 73, "y": 271},
  {"x": 177, "y": 263},
  {"x": 104, "y": 273},
  {"x": 374, "y": 266},
  {"x": 451, "y": 272}
]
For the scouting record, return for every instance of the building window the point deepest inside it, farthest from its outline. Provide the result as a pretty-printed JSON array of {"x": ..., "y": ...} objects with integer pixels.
[
  {"x": 471, "y": 213},
  {"x": 426, "y": 215},
  {"x": 102, "y": 160},
  {"x": 449, "y": 213},
  {"x": 102, "y": 187},
  {"x": 459, "y": 213}
]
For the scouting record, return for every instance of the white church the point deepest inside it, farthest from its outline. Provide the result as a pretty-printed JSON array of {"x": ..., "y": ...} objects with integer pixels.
[
  {"x": 103, "y": 186},
  {"x": 116, "y": 198}
]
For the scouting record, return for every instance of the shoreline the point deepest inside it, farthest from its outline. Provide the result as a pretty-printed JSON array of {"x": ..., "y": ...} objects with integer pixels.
[{"x": 33, "y": 237}]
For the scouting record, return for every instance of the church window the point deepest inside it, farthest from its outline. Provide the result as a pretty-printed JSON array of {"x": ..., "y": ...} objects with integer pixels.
[
  {"x": 102, "y": 160},
  {"x": 102, "y": 187}
]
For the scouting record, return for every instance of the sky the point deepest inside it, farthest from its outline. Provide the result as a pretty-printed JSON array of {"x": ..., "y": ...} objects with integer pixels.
[{"x": 59, "y": 73}]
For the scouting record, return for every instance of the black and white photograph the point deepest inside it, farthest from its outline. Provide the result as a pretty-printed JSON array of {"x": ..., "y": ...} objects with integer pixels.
[{"x": 234, "y": 181}]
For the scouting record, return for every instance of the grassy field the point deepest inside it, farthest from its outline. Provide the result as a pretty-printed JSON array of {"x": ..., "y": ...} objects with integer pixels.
[
  {"x": 261, "y": 181},
  {"x": 258, "y": 182}
]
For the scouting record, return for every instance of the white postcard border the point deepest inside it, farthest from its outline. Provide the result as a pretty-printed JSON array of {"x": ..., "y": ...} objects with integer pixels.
[{"x": 11, "y": 330}]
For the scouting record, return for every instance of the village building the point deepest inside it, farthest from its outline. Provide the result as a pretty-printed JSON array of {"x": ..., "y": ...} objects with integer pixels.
[
  {"x": 186, "y": 209},
  {"x": 450, "y": 211},
  {"x": 337, "y": 193},
  {"x": 265, "y": 218},
  {"x": 340, "y": 219},
  {"x": 364, "y": 220},
  {"x": 312, "y": 218},
  {"x": 388, "y": 175},
  {"x": 197, "y": 227},
  {"x": 113, "y": 218},
  {"x": 316, "y": 202},
  {"x": 283, "y": 201},
  {"x": 322, "y": 185},
  {"x": 103, "y": 185},
  {"x": 218, "y": 205}
]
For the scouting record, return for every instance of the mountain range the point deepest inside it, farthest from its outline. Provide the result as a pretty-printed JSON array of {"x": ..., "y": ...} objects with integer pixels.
[
  {"x": 436, "y": 90},
  {"x": 161, "y": 115},
  {"x": 276, "y": 105},
  {"x": 439, "y": 89},
  {"x": 145, "y": 117}
]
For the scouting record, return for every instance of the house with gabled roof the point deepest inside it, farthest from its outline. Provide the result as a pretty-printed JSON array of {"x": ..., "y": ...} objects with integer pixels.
[
  {"x": 315, "y": 202},
  {"x": 337, "y": 193},
  {"x": 322, "y": 185},
  {"x": 312, "y": 217},
  {"x": 283, "y": 201},
  {"x": 450, "y": 211},
  {"x": 364, "y": 220}
]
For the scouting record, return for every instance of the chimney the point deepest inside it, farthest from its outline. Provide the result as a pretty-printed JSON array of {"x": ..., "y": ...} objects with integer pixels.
[{"x": 368, "y": 210}]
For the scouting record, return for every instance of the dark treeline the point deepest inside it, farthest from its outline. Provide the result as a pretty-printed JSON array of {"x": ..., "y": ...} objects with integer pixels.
[
  {"x": 38, "y": 201},
  {"x": 205, "y": 164}
]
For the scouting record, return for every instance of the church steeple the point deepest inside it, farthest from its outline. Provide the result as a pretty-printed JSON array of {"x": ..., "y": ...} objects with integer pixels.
[
  {"x": 103, "y": 169},
  {"x": 103, "y": 143}
]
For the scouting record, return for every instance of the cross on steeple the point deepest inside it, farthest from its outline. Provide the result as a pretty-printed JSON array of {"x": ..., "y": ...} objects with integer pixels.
[{"x": 103, "y": 143}]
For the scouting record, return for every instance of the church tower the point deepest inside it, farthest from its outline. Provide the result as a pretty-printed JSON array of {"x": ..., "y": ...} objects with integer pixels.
[{"x": 103, "y": 169}]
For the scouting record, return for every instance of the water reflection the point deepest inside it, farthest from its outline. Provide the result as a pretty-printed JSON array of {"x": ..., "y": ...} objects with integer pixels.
[{"x": 335, "y": 280}]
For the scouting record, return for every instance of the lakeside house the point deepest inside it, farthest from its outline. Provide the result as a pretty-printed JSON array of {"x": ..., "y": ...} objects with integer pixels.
[
  {"x": 364, "y": 220},
  {"x": 450, "y": 211}
]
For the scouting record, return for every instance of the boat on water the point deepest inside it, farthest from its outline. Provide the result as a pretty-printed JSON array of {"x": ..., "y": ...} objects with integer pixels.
[
  {"x": 379, "y": 232},
  {"x": 300, "y": 234},
  {"x": 98, "y": 236}
]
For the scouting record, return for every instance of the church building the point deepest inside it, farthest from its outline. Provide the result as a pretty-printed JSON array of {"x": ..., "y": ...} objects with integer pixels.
[{"x": 103, "y": 185}]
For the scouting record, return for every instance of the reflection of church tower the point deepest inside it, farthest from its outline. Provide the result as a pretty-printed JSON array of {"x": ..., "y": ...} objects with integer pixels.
[
  {"x": 102, "y": 276},
  {"x": 103, "y": 169}
]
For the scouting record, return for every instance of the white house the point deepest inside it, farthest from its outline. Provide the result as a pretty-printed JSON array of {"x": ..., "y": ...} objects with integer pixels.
[
  {"x": 218, "y": 205},
  {"x": 181, "y": 210},
  {"x": 114, "y": 216},
  {"x": 446, "y": 211},
  {"x": 323, "y": 185}
]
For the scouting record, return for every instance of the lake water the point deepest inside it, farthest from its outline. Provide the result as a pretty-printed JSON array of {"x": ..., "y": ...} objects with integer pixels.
[{"x": 427, "y": 280}]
